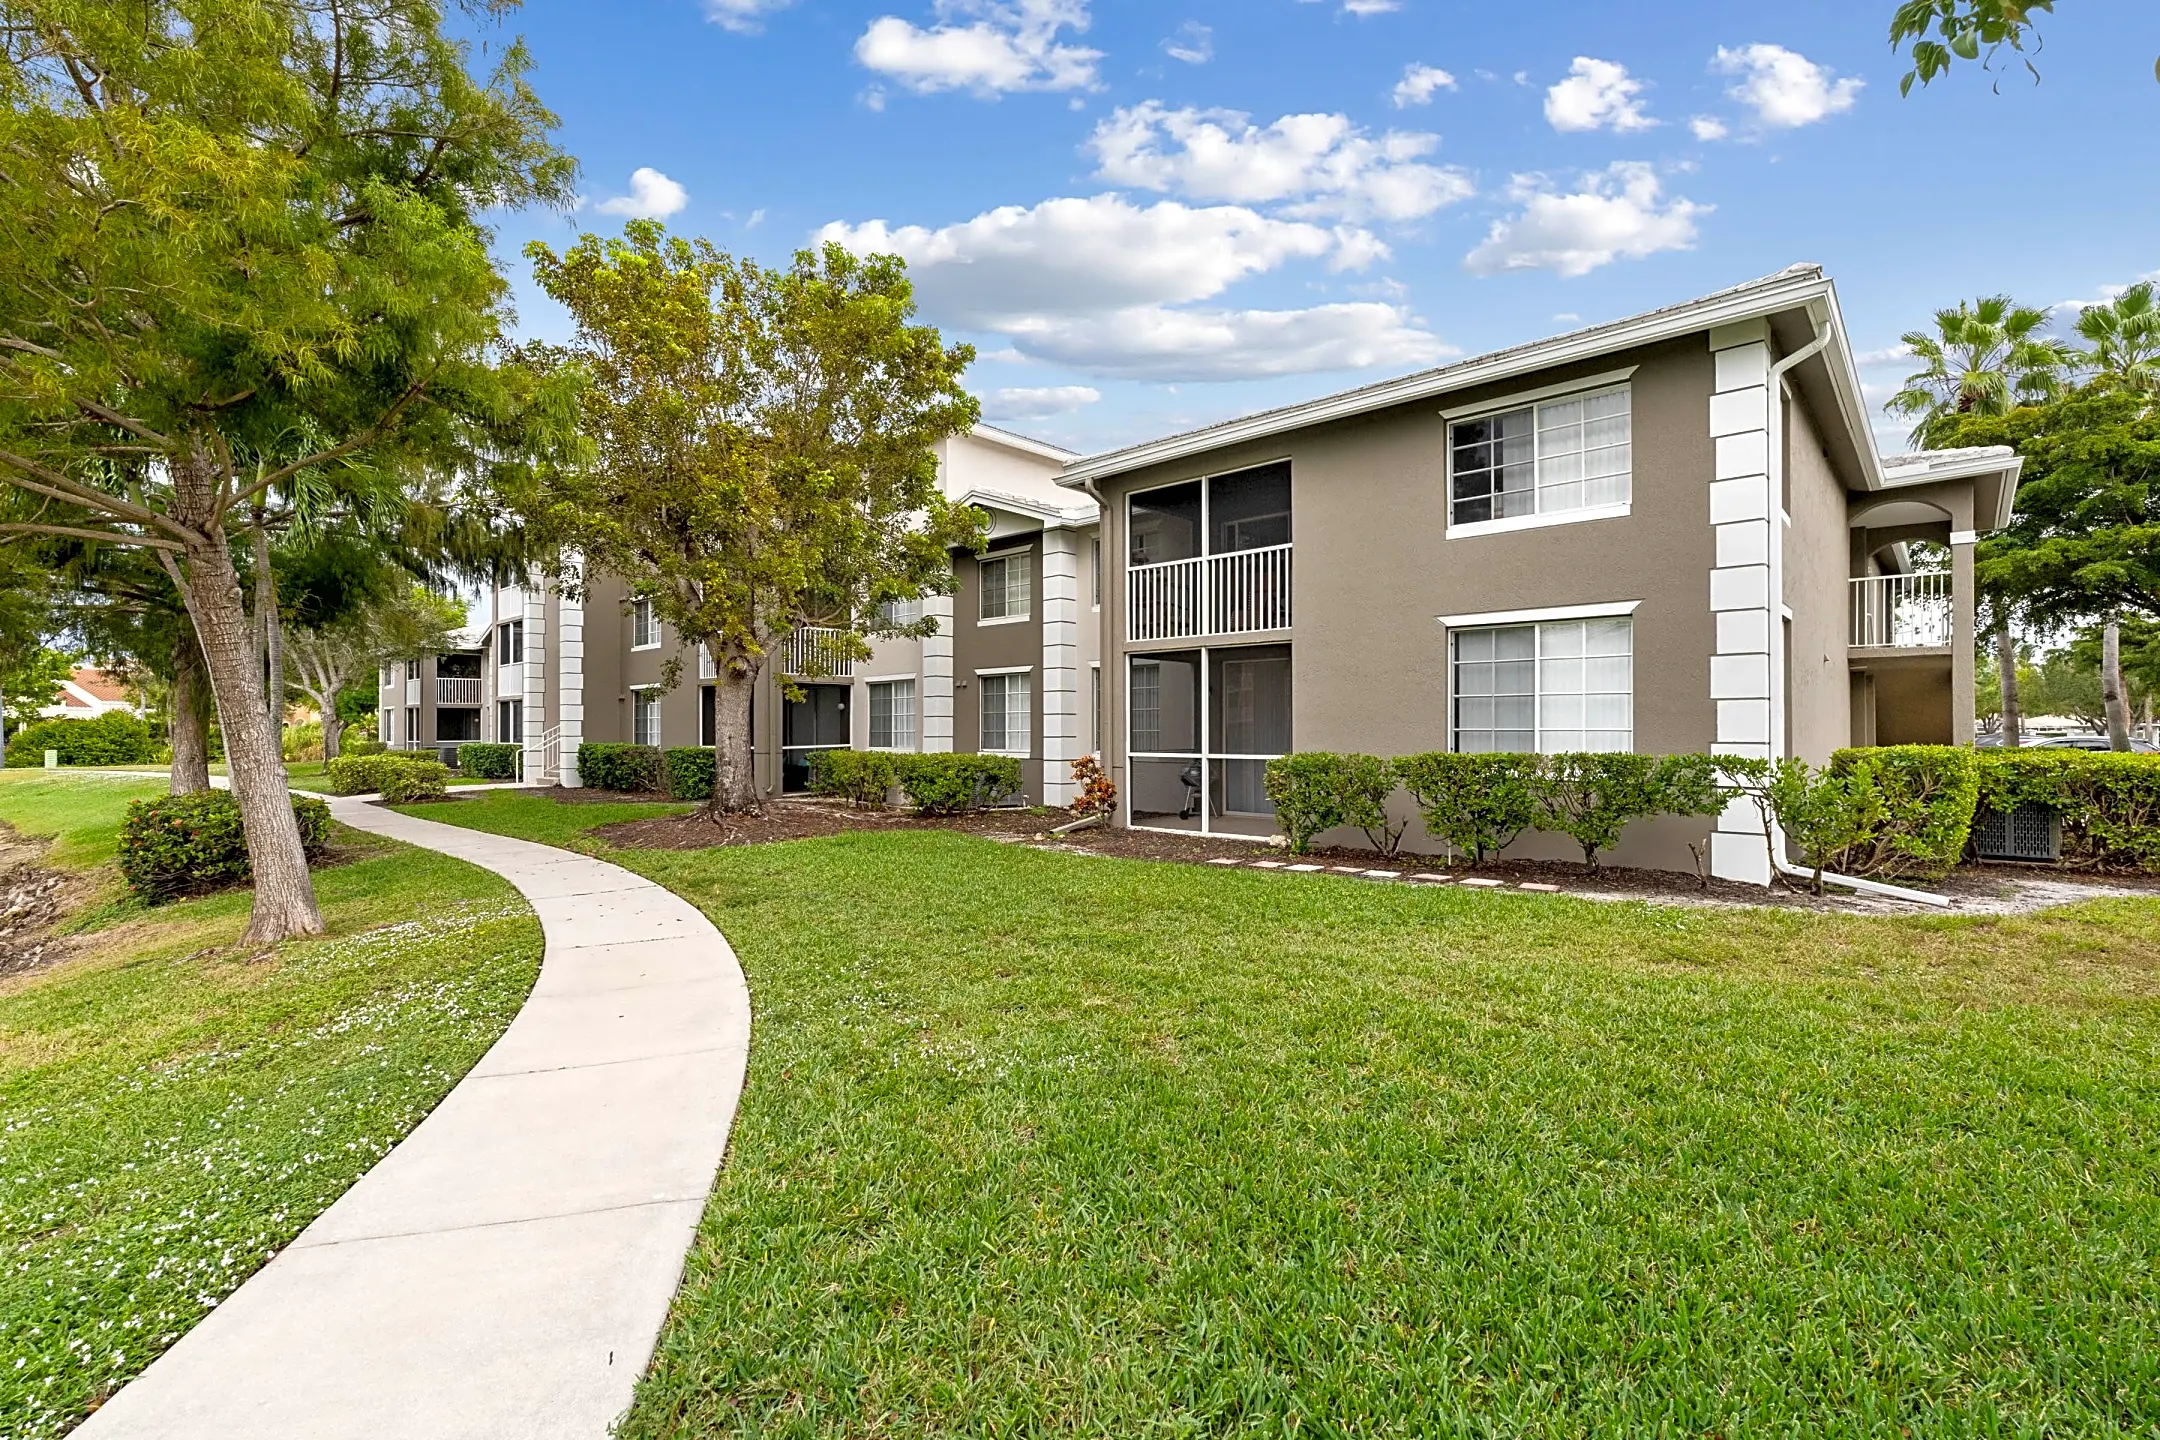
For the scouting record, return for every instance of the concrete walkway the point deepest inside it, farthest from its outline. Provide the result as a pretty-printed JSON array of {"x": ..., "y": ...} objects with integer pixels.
[{"x": 505, "y": 1271}]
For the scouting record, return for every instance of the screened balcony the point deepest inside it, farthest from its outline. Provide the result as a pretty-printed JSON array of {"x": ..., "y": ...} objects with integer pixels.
[
  {"x": 1209, "y": 557},
  {"x": 1202, "y": 726}
]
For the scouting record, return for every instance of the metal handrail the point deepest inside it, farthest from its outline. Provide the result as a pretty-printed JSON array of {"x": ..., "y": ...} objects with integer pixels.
[{"x": 1901, "y": 611}]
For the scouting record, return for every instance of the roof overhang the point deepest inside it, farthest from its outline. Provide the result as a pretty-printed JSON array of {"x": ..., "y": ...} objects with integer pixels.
[
  {"x": 1051, "y": 517},
  {"x": 1799, "y": 301},
  {"x": 1025, "y": 444},
  {"x": 1993, "y": 469}
]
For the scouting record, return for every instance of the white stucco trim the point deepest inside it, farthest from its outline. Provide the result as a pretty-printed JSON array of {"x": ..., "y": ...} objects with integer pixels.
[
  {"x": 1604, "y": 610},
  {"x": 1008, "y": 670},
  {"x": 1964, "y": 537},
  {"x": 934, "y": 702},
  {"x": 1060, "y": 701},
  {"x": 1472, "y": 529}
]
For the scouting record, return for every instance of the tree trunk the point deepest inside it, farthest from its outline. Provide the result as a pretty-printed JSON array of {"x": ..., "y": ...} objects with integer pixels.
[
  {"x": 2013, "y": 720},
  {"x": 332, "y": 729},
  {"x": 190, "y": 718},
  {"x": 735, "y": 789},
  {"x": 284, "y": 894},
  {"x": 2111, "y": 685},
  {"x": 273, "y": 636}
]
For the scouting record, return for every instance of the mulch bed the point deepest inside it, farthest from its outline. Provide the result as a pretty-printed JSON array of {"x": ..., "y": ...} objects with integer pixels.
[{"x": 32, "y": 901}]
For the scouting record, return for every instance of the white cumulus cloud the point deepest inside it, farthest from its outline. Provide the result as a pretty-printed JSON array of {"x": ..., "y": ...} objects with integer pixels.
[
  {"x": 1105, "y": 286},
  {"x": 1314, "y": 165},
  {"x": 1419, "y": 83},
  {"x": 1707, "y": 127},
  {"x": 985, "y": 46},
  {"x": 1785, "y": 89},
  {"x": 1039, "y": 402},
  {"x": 652, "y": 197},
  {"x": 1620, "y": 212},
  {"x": 742, "y": 16},
  {"x": 1192, "y": 42},
  {"x": 1597, "y": 95}
]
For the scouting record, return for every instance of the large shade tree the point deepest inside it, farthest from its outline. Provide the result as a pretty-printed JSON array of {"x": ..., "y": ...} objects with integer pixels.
[
  {"x": 761, "y": 452},
  {"x": 243, "y": 258},
  {"x": 397, "y": 623}
]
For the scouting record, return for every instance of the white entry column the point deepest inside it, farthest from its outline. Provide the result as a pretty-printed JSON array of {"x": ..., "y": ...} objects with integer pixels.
[
  {"x": 1744, "y": 603},
  {"x": 569, "y": 688},
  {"x": 937, "y": 677},
  {"x": 1060, "y": 663},
  {"x": 535, "y": 696}
]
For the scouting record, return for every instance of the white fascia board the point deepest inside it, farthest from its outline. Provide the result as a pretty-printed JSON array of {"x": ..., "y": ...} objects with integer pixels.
[
  {"x": 1008, "y": 670},
  {"x": 1772, "y": 295},
  {"x": 1053, "y": 517},
  {"x": 1602, "y": 381},
  {"x": 1025, "y": 444},
  {"x": 1603, "y": 611}
]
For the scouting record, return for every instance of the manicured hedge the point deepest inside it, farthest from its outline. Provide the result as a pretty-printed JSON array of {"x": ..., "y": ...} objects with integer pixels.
[
  {"x": 186, "y": 844},
  {"x": 488, "y": 760},
  {"x": 413, "y": 781},
  {"x": 689, "y": 771},
  {"x": 1909, "y": 807},
  {"x": 635, "y": 769},
  {"x": 1318, "y": 790},
  {"x": 948, "y": 784},
  {"x": 371, "y": 774},
  {"x": 2109, "y": 801},
  {"x": 1476, "y": 803},
  {"x": 862, "y": 777},
  {"x": 114, "y": 738}
]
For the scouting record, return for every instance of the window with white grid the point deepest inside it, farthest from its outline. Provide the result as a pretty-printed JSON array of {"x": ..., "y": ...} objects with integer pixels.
[
  {"x": 1005, "y": 713},
  {"x": 644, "y": 625},
  {"x": 1006, "y": 593},
  {"x": 900, "y": 612},
  {"x": 1557, "y": 686},
  {"x": 1562, "y": 455},
  {"x": 645, "y": 717},
  {"x": 892, "y": 714}
]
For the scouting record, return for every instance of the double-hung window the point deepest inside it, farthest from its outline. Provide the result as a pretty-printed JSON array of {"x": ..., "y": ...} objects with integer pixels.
[
  {"x": 1006, "y": 712},
  {"x": 900, "y": 612},
  {"x": 892, "y": 714},
  {"x": 510, "y": 642},
  {"x": 1006, "y": 590},
  {"x": 1551, "y": 458},
  {"x": 1547, "y": 688},
  {"x": 644, "y": 626},
  {"x": 645, "y": 716}
]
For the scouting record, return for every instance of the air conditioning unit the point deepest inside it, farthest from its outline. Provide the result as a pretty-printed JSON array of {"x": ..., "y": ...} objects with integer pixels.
[{"x": 2031, "y": 833}]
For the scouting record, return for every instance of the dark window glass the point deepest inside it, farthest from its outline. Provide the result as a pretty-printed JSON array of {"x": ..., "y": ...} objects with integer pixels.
[
  {"x": 1249, "y": 509},
  {"x": 1249, "y": 700},
  {"x": 1165, "y": 524},
  {"x": 1164, "y": 696},
  {"x": 1495, "y": 467}
]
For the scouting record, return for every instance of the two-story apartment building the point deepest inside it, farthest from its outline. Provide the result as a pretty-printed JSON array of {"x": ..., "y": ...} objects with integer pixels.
[
  {"x": 1012, "y": 669},
  {"x": 1669, "y": 533}
]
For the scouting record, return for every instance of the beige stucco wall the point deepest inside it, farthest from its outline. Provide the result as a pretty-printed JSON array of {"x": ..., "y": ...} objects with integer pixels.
[
  {"x": 977, "y": 646},
  {"x": 1374, "y": 569},
  {"x": 1817, "y": 564}
]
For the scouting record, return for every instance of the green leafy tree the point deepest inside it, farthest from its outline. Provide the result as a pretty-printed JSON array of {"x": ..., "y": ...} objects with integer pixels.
[
  {"x": 245, "y": 269},
  {"x": 2065, "y": 683},
  {"x": 321, "y": 663},
  {"x": 1940, "y": 32},
  {"x": 761, "y": 451},
  {"x": 33, "y": 682},
  {"x": 1983, "y": 358},
  {"x": 2125, "y": 338}
]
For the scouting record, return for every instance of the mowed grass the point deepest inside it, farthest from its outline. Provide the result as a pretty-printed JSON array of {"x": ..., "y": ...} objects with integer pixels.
[
  {"x": 1035, "y": 1143},
  {"x": 173, "y": 1111}
]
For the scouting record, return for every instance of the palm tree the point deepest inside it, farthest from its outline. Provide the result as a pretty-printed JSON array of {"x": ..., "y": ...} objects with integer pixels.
[
  {"x": 1984, "y": 358},
  {"x": 2125, "y": 338}
]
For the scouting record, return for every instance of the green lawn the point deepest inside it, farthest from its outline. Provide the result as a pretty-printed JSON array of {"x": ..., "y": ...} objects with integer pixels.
[
  {"x": 304, "y": 775},
  {"x": 1035, "y": 1143},
  {"x": 173, "y": 1111}
]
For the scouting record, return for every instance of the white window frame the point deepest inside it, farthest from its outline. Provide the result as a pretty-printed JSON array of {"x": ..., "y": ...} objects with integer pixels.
[
  {"x": 1537, "y": 621},
  {"x": 642, "y": 618},
  {"x": 1588, "y": 388},
  {"x": 1026, "y": 556},
  {"x": 506, "y": 707},
  {"x": 914, "y": 735},
  {"x": 509, "y": 638},
  {"x": 901, "y": 612},
  {"x": 1027, "y": 728},
  {"x": 640, "y": 696},
  {"x": 1095, "y": 733},
  {"x": 388, "y": 733}
]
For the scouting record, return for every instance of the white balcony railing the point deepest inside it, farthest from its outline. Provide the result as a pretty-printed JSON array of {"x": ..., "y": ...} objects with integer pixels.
[
  {"x": 457, "y": 690},
  {"x": 1230, "y": 594},
  {"x": 814, "y": 650},
  {"x": 1901, "y": 611}
]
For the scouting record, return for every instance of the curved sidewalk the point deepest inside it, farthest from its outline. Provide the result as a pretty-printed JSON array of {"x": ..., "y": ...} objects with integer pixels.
[{"x": 505, "y": 1270}]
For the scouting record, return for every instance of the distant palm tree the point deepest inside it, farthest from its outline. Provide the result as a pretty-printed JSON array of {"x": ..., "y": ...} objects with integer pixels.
[
  {"x": 1984, "y": 358},
  {"x": 2125, "y": 338}
]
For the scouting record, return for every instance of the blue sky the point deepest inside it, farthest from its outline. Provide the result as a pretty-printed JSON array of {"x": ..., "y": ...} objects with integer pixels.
[{"x": 1151, "y": 216}]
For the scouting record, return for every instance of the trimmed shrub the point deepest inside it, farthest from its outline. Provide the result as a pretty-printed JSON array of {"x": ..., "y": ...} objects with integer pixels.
[
  {"x": 1691, "y": 785},
  {"x": 488, "y": 760},
  {"x": 1476, "y": 803},
  {"x": 114, "y": 738},
  {"x": 186, "y": 844},
  {"x": 370, "y": 774},
  {"x": 2109, "y": 801},
  {"x": 634, "y": 769},
  {"x": 1317, "y": 790},
  {"x": 1914, "y": 805},
  {"x": 689, "y": 771},
  {"x": 303, "y": 741},
  {"x": 1590, "y": 796},
  {"x": 409, "y": 782},
  {"x": 948, "y": 784},
  {"x": 359, "y": 740},
  {"x": 864, "y": 778}
]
